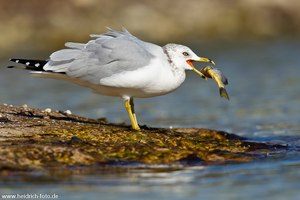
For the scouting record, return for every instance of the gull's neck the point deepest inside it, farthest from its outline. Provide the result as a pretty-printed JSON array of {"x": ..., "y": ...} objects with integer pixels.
[
  {"x": 176, "y": 70},
  {"x": 165, "y": 49},
  {"x": 177, "y": 74},
  {"x": 174, "y": 67}
]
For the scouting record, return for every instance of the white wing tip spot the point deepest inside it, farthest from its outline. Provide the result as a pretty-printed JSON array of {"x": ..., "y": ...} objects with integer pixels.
[
  {"x": 27, "y": 63},
  {"x": 37, "y": 64},
  {"x": 17, "y": 61}
]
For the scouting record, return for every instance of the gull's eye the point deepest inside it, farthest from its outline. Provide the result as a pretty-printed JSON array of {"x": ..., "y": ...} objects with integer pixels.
[{"x": 185, "y": 53}]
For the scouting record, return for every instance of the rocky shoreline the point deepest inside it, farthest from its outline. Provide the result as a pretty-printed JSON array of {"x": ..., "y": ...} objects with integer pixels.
[{"x": 34, "y": 139}]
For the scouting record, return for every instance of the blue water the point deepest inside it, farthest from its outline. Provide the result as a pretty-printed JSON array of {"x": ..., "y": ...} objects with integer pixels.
[{"x": 265, "y": 106}]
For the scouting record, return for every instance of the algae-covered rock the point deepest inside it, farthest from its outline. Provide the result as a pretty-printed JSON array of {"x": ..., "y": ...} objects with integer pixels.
[{"x": 33, "y": 139}]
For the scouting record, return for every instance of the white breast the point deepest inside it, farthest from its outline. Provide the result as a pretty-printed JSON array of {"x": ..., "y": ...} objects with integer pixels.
[{"x": 155, "y": 79}]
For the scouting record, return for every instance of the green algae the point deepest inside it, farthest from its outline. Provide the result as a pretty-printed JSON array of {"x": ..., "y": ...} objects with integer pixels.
[{"x": 32, "y": 139}]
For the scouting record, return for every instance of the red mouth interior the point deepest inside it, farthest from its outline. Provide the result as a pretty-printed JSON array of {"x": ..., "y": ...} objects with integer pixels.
[{"x": 190, "y": 63}]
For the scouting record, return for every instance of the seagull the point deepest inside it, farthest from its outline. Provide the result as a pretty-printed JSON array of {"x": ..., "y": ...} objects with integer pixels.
[{"x": 116, "y": 63}]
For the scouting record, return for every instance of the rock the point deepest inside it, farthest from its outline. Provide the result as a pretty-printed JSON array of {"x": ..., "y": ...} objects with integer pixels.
[
  {"x": 48, "y": 110},
  {"x": 68, "y": 112},
  {"x": 31, "y": 141}
]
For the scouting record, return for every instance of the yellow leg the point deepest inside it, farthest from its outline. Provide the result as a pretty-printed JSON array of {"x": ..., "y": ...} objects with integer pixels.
[
  {"x": 133, "y": 111},
  {"x": 130, "y": 109}
]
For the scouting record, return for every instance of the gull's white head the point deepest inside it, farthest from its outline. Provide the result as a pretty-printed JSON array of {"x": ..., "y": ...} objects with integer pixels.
[{"x": 182, "y": 57}]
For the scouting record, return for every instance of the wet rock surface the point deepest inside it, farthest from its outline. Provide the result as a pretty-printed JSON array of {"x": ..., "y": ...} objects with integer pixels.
[{"x": 34, "y": 139}]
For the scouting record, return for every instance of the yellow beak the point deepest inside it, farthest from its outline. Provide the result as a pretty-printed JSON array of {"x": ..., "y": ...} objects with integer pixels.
[
  {"x": 200, "y": 60},
  {"x": 205, "y": 60}
]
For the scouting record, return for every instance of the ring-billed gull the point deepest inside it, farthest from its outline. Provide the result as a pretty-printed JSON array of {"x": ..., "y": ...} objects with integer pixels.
[{"x": 119, "y": 64}]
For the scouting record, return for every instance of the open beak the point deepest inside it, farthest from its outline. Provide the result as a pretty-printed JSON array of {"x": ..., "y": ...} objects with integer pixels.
[{"x": 200, "y": 60}]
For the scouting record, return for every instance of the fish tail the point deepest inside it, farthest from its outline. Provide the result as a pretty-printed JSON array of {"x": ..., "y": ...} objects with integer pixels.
[{"x": 223, "y": 93}]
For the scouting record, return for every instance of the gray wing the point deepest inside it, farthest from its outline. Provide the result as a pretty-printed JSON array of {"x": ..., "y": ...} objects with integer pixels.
[{"x": 110, "y": 53}]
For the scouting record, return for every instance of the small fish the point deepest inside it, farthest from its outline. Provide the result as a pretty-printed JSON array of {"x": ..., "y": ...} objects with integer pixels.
[{"x": 213, "y": 73}]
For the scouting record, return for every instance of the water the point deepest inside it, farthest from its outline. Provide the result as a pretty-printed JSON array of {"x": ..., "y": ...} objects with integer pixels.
[{"x": 265, "y": 105}]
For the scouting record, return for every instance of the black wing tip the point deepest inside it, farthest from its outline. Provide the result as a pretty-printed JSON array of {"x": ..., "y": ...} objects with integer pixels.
[
  {"x": 223, "y": 93},
  {"x": 13, "y": 59},
  {"x": 34, "y": 65},
  {"x": 16, "y": 60}
]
